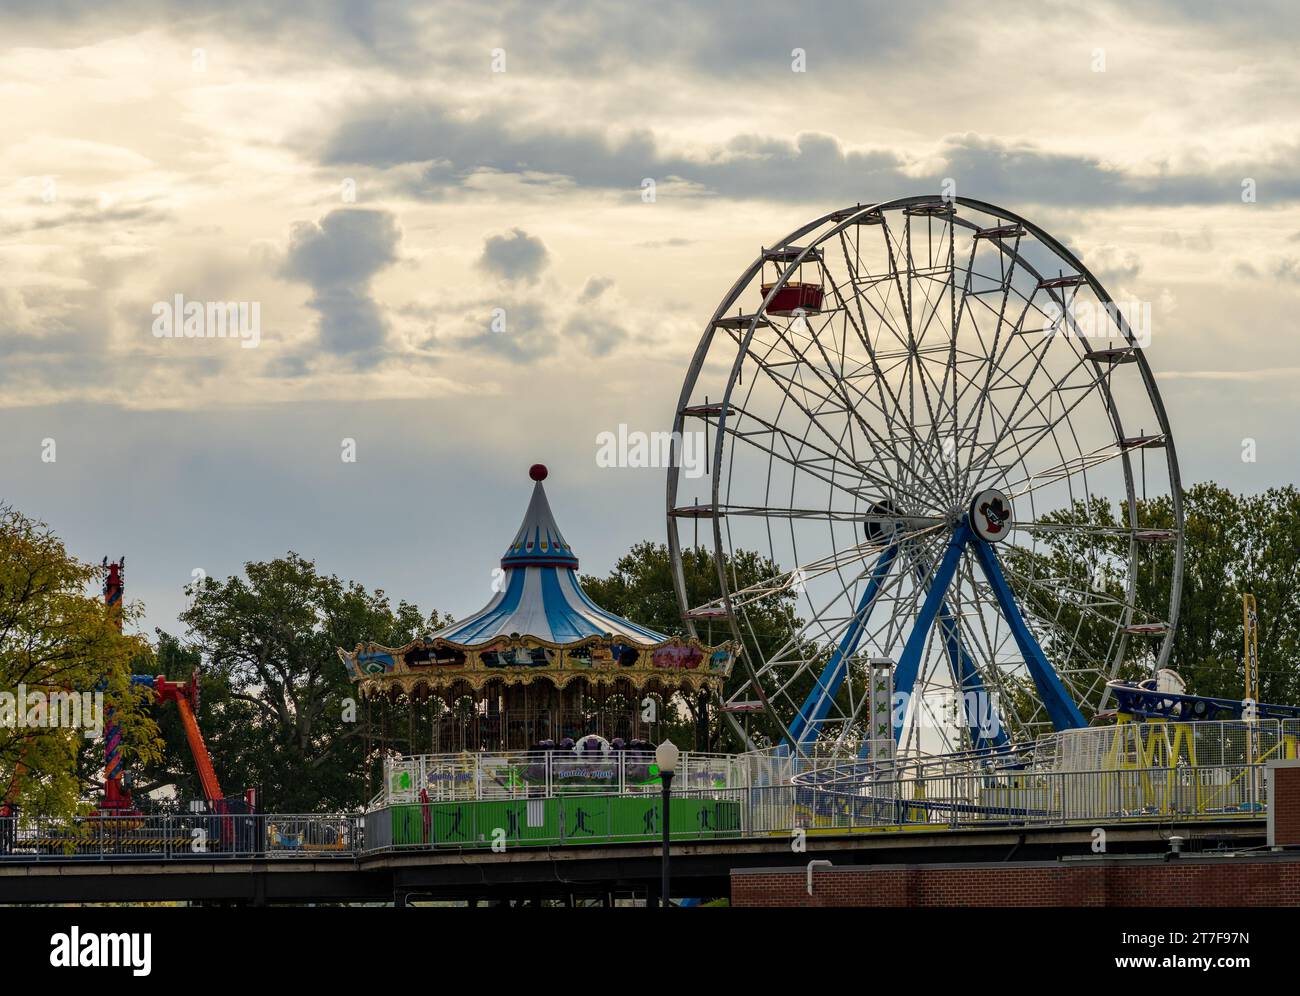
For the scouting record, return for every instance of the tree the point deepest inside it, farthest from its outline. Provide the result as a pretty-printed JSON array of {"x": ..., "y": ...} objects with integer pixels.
[
  {"x": 56, "y": 639},
  {"x": 1233, "y": 544},
  {"x": 281, "y": 713},
  {"x": 1239, "y": 544},
  {"x": 640, "y": 588}
]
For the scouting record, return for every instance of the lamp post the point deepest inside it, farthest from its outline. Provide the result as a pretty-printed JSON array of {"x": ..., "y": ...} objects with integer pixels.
[{"x": 666, "y": 757}]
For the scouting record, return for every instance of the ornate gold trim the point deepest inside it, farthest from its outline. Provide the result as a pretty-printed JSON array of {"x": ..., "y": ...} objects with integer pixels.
[{"x": 674, "y": 664}]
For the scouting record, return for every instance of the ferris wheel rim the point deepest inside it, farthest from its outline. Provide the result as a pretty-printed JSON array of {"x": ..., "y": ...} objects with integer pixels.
[{"x": 843, "y": 219}]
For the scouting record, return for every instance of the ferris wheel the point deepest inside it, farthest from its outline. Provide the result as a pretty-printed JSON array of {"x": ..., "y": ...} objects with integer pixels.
[{"x": 934, "y": 445}]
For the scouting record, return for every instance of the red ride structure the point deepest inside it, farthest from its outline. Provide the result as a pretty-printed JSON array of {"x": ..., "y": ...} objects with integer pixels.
[
  {"x": 117, "y": 796},
  {"x": 186, "y": 697}
]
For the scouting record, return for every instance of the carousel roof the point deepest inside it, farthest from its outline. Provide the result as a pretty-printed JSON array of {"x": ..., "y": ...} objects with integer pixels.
[{"x": 539, "y": 593}]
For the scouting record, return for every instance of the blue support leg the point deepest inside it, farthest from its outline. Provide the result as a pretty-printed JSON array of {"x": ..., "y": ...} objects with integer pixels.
[
  {"x": 968, "y": 680},
  {"x": 966, "y": 676},
  {"x": 1056, "y": 698},
  {"x": 910, "y": 664},
  {"x": 812, "y": 714}
]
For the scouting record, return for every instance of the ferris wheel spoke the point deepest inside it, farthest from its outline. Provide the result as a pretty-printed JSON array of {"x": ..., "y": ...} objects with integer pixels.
[
  {"x": 1048, "y": 603},
  {"x": 1073, "y": 528},
  {"x": 989, "y": 453},
  {"x": 991, "y": 643},
  {"x": 822, "y": 465},
  {"x": 968, "y": 318},
  {"x": 882, "y": 386},
  {"x": 850, "y": 405},
  {"x": 1067, "y": 467},
  {"x": 915, "y": 367},
  {"x": 838, "y": 635},
  {"x": 1014, "y": 329},
  {"x": 824, "y": 468},
  {"x": 871, "y": 283},
  {"x": 787, "y": 388},
  {"x": 803, "y": 574},
  {"x": 1088, "y": 601},
  {"x": 832, "y": 515},
  {"x": 951, "y": 369},
  {"x": 832, "y": 627}
]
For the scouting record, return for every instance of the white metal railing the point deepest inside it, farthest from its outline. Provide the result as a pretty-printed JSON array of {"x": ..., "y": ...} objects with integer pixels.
[
  {"x": 525, "y": 774},
  {"x": 181, "y": 836},
  {"x": 938, "y": 802},
  {"x": 1035, "y": 797}
]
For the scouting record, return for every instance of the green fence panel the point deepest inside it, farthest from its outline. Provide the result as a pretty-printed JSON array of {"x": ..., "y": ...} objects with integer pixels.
[{"x": 594, "y": 819}]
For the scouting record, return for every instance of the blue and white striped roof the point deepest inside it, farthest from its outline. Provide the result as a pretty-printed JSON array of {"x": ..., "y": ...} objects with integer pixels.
[{"x": 540, "y": 595}]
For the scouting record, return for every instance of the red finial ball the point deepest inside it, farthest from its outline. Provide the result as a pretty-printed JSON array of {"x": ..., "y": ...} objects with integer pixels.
[{"x": 537, "y": 472}]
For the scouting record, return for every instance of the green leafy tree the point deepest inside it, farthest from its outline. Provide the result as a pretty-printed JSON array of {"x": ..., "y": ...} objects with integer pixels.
[
  {"x": 1233, "y": 544},
  {"x": 279, "y": 710},
  {"x": 1239, "y": 544},
  {"x": 640, "y": 588},
  {"x": 58, "y": 638}
]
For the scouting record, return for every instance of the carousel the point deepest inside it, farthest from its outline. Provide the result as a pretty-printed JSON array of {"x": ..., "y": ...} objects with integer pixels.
[{"x": 542, "y": 666}]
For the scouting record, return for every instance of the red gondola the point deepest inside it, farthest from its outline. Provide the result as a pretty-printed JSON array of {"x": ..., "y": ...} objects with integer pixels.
[{"x": 798, "y": 295}]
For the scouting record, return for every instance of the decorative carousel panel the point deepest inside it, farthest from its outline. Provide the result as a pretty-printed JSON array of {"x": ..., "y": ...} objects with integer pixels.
[
  {"x": 516, "y": 654},
  {"x": 518, "y": 661}
]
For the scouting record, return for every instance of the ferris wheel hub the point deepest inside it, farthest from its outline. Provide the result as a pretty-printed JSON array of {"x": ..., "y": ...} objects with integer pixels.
[{"x": 990, "y": 515}]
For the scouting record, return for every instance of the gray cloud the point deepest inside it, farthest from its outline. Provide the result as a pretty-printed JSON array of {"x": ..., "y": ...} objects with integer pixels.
[
  {"x": 450, "y": 148},
  {"x": 727, "y": 37},
  {"x": 594, "y": 288},
  {"x": 527, "y": 333},
  {"x": 597, "y": 335},
  {"x": 87, "y": 212},
  {"x": 374, "y": 32},
  {"x": 1287, "y": 268},
  {"x": 515, "y": 256},
  {"x": 337, "y": 257}
]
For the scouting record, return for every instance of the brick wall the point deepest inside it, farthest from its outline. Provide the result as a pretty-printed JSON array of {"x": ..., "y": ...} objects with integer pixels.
[
  {"x": 1284, "y": 803},
  {"x": 1240, "y": 881}
]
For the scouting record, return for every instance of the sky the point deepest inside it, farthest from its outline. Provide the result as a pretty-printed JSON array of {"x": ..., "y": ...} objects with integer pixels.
[{"x": 437, "y": 214}]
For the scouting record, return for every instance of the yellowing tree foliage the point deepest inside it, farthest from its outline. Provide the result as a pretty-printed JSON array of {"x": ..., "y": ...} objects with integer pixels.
[{"x": 57, "y": 637}]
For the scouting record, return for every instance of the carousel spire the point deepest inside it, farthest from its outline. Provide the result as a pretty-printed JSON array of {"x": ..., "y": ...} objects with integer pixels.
[
  {"x": 539, "y": 595},
  {"x": 539, "y": 541}
]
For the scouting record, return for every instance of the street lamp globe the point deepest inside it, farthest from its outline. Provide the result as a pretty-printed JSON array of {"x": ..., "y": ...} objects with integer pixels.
[{"x": 667, "y": 756}]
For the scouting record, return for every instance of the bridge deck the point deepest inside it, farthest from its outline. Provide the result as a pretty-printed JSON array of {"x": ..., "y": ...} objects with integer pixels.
[{"x": 700, "y": 867}]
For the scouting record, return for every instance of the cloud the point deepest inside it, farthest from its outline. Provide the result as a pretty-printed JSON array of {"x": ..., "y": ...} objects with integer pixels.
[
  {"x": 86, "y": 213},
  {"x": 676, "y": 242},
  {"x": 597, "y": 335},
  {"x": 594, "y": 288},
  {"x": 518, "y": 330},
  {"x": 515, "y": 256},
  {"x": 525, "y": 328},
  {"x": 337, "y": 257},
  {"x": 450, "y": 149},
  {"x": 1113, "y": 266},
  {"x": 1287, "y": 268},
  {"x": 727, "y": 37}
]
